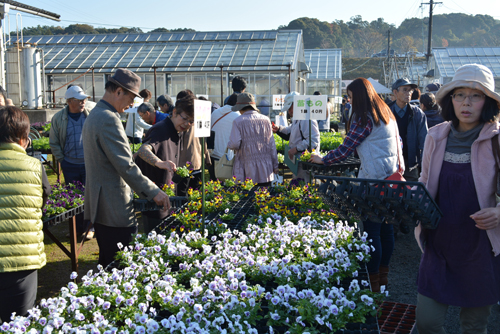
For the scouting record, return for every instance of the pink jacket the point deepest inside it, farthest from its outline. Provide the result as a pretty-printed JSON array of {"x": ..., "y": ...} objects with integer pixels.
[
  {"x": 255, "y": 150},
  {"x": 482, "y": 164}
]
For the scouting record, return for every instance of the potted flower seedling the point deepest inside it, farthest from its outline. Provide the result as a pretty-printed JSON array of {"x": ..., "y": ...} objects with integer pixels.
[{"x": 183, "y": 172}]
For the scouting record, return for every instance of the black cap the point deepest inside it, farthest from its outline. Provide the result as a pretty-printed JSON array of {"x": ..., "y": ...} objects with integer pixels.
[{"x": 433, "y": 87}]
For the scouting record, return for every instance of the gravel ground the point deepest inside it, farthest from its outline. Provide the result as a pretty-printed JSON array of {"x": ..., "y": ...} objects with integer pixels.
[{"x": 402, "y": 283}]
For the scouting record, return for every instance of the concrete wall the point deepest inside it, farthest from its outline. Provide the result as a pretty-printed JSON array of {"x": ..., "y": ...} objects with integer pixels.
[{"x": 40, "y": 115}]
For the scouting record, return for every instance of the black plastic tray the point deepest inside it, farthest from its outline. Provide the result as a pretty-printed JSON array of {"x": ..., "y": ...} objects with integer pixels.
[
  {"x": 334, "y": 169},
  {"x": 63, "y": 216},
  {"x": 145, "y": 205},
  {"x": 241, "y": 210},
  {"x": 381, "y": 200}
]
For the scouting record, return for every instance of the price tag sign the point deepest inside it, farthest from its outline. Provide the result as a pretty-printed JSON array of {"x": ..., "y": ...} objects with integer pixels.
[
  {"x": 338, "y": 99},
  {"x": 307, "y": 107},
  {"x": 278, "y": 101},
  {"x": 202, "y": 115}
]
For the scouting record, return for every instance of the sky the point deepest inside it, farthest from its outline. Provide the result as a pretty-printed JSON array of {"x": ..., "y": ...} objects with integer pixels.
[{"x": 217, "y": 15}]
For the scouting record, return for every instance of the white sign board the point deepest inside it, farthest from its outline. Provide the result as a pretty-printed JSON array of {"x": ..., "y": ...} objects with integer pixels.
[
  {"x": 307, "y": 107},
  {"x": 338, "y": 99},
  {"x": 202, "y": 115},
  {"x": 278, "y": 101}
]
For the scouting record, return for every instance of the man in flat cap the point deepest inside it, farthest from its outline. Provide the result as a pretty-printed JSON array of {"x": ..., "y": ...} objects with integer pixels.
[{"x": 111, "y": 171}]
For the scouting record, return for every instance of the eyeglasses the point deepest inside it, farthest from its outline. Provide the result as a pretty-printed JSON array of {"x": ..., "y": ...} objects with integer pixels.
[
  {"x": 460, "y": 97},
  {"x": 79, "y": 101},
  {"x": 187, "y": 120}
]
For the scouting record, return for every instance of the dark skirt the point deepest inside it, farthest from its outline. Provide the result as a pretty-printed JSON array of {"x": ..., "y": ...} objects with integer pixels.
[{"x": 458, "y": 266}]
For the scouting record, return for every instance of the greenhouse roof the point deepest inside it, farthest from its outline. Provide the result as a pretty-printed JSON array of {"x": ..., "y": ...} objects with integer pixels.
[
  {"x": 170, "y": 52},
  {"x": 448, "y": 60},
  {"x": 324, "y": 63}
]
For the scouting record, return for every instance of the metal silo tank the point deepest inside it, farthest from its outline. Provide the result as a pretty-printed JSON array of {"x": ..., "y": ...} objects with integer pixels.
[{"x": 32, "y": 77}]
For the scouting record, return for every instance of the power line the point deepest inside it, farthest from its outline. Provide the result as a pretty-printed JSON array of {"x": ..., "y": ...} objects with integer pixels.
[
  {"x": 98, "y": 25},
  {"x": 461, "y": 7},
  {"x": 354, "y": 69}
]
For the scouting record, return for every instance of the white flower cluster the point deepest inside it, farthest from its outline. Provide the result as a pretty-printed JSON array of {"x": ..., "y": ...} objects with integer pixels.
[{"x": 277, "y": 275}]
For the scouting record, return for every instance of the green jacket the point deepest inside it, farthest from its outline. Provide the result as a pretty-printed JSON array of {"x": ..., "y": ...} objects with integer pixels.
[
  {"x": 21, "y": 235},
  {"x": 57, "y": 135}
]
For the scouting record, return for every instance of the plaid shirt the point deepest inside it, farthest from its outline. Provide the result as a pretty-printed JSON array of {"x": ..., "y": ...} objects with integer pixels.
[{"x": 353, "y": 139}]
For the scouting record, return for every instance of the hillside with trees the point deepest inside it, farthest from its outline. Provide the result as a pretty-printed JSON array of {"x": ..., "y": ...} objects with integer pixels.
[
  {"x": 76, "y": 29},
  {"x": 357, "y": 38}
]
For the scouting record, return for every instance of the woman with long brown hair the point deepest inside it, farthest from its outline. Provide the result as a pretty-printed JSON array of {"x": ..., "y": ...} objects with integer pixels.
[{"x": 373, "y": 134}]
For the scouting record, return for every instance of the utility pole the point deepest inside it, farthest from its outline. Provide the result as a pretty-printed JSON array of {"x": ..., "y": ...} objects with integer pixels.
[
  {"x": 431, "y": 4},
  {"x": 388, "y": 43},
  {"x": 422, "y": 17}
]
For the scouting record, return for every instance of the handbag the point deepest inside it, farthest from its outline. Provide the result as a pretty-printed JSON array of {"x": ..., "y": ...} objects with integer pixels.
[
  {"x": 224, "y": 167},
  {"x": 398, "y": 175}
]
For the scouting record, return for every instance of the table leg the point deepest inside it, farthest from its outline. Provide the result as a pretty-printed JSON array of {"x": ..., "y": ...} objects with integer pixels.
[{"x": 73, "y": 243}]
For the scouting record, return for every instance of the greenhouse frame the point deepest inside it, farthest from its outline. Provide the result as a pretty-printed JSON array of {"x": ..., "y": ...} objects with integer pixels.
[
  {"x": 447, "y": 60},
  {"x": 325, "y": 71},
  {"x": 204, "y": 62}
]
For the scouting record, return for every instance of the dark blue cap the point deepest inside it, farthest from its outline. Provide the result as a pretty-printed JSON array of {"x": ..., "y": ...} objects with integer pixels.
[{"x": 402, "y": 82}]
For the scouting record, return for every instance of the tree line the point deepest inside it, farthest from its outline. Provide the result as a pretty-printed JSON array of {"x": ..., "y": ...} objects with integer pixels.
[
  {"x": 356, "y": 38},
  {"x": 359, "y": 38},
  {"x": 77, "y": 29}
]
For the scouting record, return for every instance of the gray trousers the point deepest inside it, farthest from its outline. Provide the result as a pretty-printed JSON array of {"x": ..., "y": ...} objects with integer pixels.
[{"x": 431, "y": 316}]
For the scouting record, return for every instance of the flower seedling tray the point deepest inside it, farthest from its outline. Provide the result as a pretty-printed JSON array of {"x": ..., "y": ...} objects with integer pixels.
[
  {"x": 242, "y": 210},
  {"x": 381, "y": 200},
  {"x": 63, "y": 216},
  {"x": 145, "y": 205},
  {"x": 396, "y": 318},
  {"x": 334, "y": 169}
]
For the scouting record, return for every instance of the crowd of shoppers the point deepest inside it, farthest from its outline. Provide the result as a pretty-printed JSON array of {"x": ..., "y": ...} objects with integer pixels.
[{"x": 444, "y": 138}]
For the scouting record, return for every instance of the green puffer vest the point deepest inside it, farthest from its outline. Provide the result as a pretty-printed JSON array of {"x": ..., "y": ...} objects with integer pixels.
[{"x": 21, "y": 235}]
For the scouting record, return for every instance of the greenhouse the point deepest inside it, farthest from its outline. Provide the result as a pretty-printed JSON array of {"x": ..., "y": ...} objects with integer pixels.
[
  {"x": 204, "y": 62},
  {"x": 447, "y": 60},
  {"x": 325, "y": 74}
]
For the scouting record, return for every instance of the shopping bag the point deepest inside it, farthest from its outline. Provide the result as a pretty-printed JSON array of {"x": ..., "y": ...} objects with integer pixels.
[
  {"x": 224, "y": 167},
  {"x": 281, "y": 120},
  {"x": 277, "y": 179},
  {"x": 293, "y": 164}
]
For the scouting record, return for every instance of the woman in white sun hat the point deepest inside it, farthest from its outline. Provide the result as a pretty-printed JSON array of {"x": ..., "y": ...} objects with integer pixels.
[{"x": 460, "y": 265}]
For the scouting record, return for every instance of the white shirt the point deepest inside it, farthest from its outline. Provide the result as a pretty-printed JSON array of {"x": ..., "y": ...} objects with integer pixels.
[
  {"x": 140, "y": 124},
  {"x": 222, "y": 128}
]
